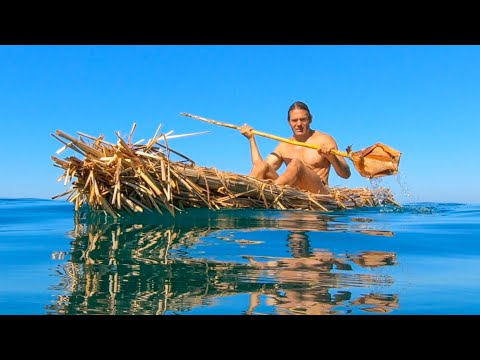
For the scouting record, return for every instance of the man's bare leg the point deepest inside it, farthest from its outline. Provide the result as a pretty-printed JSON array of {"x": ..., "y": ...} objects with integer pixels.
[
  {"x": 262, "y": 170},
  {"x": 299, "y": 175}
]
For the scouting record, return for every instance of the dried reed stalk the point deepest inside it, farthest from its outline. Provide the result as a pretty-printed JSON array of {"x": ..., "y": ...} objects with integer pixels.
[{"x": 130, "y": 177}]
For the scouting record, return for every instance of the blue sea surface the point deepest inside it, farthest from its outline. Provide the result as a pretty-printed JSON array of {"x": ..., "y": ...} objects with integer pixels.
[{"x": 420, "y": 258}]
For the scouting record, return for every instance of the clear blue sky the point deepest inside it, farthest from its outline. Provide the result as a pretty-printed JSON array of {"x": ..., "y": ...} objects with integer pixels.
[{"x": 422, "y": 100}]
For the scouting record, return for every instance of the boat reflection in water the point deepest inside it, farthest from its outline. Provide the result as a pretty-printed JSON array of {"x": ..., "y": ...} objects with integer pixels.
[{"x": 223, "y": 262}]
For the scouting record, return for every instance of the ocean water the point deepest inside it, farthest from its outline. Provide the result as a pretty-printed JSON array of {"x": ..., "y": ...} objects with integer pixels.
[{"x": 421, "y": 258}]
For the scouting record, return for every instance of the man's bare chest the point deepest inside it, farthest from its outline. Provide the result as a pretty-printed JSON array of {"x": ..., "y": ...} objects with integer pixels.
[{"x": 310, "y": 157}]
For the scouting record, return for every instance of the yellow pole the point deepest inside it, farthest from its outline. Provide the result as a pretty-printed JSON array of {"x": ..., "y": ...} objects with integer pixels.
[{"x": 260, "y": 133}]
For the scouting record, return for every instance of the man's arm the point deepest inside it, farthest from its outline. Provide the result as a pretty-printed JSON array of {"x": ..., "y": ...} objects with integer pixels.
[
  {"x": 340, "y": 165},
  {"x": 274, "y": 159},
  {"x": 246, "y": 131},
  {"x": 338, "y": 162},
  {"x": 254, "y": 152}
]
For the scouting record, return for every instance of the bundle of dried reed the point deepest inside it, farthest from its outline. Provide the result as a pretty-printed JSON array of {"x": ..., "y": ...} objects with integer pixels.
[{"x": 130, "y": 177}]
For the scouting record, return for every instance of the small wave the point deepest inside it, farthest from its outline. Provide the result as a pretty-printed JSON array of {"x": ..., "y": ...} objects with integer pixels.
[{"x": 416, "y": 208}]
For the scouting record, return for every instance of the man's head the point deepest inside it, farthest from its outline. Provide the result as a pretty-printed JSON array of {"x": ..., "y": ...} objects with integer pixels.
[
  {"x": 299, "y": 119},
  {"x": 298, "y": 105}
]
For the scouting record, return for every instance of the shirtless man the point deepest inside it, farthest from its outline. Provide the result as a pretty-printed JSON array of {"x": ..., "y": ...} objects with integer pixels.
[{"x": 307, "y": 168}]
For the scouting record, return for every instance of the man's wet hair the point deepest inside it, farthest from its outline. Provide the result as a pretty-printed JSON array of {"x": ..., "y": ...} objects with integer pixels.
[{"x": 299, "y": 105}]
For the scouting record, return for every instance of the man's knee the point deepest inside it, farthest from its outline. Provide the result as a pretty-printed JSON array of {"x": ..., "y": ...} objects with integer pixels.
[
  {"x": 260, "y": 166},
  {"x": 262, "y": 170},
  {"x": 295, "y": 165}
]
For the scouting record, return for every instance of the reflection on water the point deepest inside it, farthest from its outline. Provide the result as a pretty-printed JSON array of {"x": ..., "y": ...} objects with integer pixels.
[{"x": 263, "y": 262}]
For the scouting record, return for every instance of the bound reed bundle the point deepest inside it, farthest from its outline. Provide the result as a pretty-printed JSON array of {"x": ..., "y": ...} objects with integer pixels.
[{"x": 130, "y": 177}]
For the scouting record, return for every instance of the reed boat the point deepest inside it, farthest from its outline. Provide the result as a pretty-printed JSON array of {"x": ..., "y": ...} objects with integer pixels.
[{"x": 126, "y": 178}]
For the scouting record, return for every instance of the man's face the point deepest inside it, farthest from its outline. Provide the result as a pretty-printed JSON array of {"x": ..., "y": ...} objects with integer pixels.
[{"x": 299, "y": 122}]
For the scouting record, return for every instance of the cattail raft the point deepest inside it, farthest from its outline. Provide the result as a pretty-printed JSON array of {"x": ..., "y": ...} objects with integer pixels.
[{"x": 130, "y": 177}]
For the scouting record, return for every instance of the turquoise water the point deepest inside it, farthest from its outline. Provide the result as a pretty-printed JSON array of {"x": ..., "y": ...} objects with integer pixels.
[{"x": 423, "y": 258}]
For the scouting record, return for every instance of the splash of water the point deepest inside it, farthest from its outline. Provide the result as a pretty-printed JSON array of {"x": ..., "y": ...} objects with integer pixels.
[
  {"x": 416, "y": 205},
  {"x": 401, "y": 181},
  {"x": 406, "y": 189},
  {"x": 380, "y": 197},
  {"x": 376, "y": 183}
]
